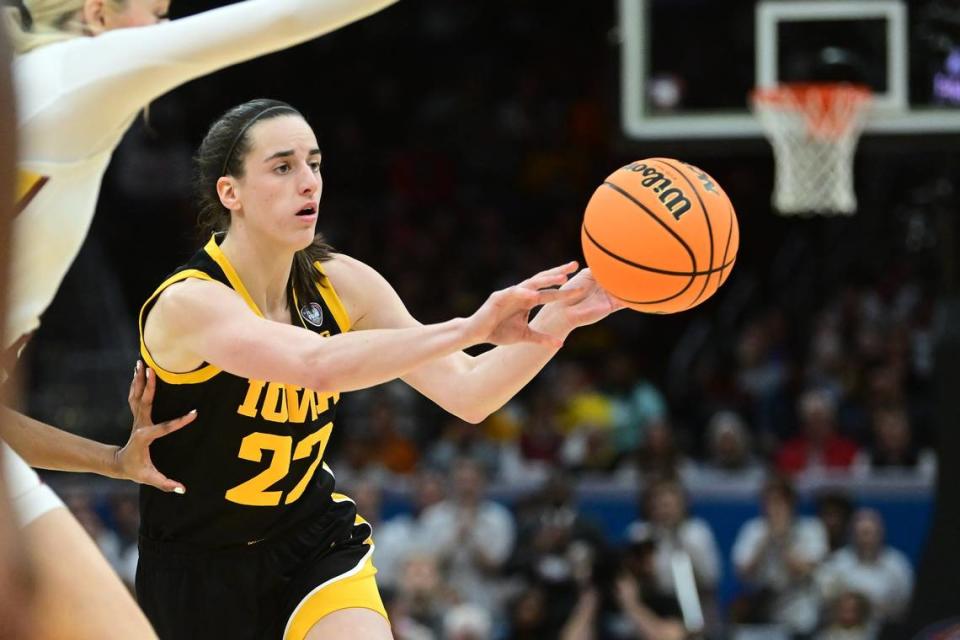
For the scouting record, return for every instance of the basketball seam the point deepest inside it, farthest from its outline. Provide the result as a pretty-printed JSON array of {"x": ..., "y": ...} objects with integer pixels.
[
  {"x": 706, "y": 217},
  {"x": 643, "y": 207},
  {"x": 626, "y": 194},
  {"x": 726, "y": 247},
  {"x": 639, "y": 266},
  {"x": 666, "y": 272}
]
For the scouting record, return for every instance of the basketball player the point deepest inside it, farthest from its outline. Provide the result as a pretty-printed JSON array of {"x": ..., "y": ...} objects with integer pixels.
[
  {"x": 77, "y": 95},
  {"x": 16, "y": 591},
  {"x": 261, "y": 546}
]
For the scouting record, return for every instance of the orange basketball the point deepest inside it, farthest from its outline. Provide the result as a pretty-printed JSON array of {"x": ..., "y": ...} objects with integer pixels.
[{"x": 660, "y": 235}]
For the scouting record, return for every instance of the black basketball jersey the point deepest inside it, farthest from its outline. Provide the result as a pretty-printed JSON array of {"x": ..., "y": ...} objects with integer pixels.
[{"x": 252, "y": 460}]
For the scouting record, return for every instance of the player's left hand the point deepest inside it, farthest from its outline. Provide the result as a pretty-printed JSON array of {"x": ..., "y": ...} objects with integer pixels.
[
  {"x": 593, "y": 305},
  {"x": 133, "y": 459}
]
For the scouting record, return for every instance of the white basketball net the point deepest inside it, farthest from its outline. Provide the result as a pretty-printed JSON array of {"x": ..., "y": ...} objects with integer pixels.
[{"x": 814, "y": 130}]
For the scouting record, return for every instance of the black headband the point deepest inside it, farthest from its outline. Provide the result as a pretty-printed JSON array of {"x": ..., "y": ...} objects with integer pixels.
[{"x": 243, "y": 131}]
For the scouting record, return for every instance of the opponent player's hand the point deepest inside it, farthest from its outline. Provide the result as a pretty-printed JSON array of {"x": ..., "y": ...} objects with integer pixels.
[
  {"x": 134, "y": 458},
  {"x": 505, "y": 317},
  {"x": 592, "y": 305}
]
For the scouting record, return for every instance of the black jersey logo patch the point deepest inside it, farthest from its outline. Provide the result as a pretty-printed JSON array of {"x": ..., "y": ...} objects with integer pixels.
[{"x": 312, "y": 313}]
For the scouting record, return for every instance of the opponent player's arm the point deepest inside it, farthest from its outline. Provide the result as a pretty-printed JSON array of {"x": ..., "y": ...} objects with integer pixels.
[
  {"x": 469, "y": 387},
  {"x": 108, "y": 78},
  {"x": 46, "y": 447},
  {"x": 199, "y": 320}
]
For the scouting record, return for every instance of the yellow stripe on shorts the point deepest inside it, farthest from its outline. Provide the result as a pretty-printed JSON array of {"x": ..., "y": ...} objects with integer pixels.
[{"x": 352, "y": 590}]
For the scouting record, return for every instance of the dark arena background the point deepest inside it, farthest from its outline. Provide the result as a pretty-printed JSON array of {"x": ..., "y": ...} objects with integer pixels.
[{"x": 461, "y": 143}]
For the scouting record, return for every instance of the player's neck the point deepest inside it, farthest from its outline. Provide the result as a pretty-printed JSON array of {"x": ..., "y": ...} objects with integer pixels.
[{"x": 263, "y": 268}]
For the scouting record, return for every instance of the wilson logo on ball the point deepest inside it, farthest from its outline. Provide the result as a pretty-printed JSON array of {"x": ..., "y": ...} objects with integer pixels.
[{"x": 672, "y": 198}]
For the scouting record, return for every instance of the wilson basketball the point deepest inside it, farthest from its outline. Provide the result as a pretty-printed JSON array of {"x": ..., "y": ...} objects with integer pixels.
[{"x": 660, "y": 235}]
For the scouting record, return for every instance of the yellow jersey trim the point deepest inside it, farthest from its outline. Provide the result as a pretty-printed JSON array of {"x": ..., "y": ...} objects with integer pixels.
[
  {"x": 28, "y": 186},
  {"x": 330, "y": 297},
  {"x": 214, "y": 251},
  {"x": 205, "y": 372},
  {"x": 354, "y": 589}
]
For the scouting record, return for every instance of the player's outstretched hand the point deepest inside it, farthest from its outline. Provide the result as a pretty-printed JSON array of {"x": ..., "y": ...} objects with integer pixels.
[
  {"x": 593, "y": 304},
  {"x": 505, "y": 317},
  {"x": 134, "y": 458}
]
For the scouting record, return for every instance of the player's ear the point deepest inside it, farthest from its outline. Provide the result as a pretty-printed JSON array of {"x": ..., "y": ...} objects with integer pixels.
[
  {"x": 227, "y": 190},
  {"x": 94, "y": 16}
]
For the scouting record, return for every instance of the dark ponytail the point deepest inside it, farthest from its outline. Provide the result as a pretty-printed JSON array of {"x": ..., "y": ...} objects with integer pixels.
[{"x": 222, "y": 153}]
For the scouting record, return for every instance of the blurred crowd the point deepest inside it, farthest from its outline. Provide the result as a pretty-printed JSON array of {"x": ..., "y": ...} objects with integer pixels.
[
  {"x": 842, "y": 400},
  {"x": 455, "y": 564},
  {"x": 814, "y": 360}
]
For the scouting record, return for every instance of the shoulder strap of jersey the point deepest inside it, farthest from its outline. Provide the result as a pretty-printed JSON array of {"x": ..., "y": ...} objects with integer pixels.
[
  {"x": 202, "y": 266},
  {"x": 331, "y": 299}
]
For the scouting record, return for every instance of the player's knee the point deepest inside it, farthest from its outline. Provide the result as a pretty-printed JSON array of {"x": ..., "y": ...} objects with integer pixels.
[{"x": 349, "y": 624}]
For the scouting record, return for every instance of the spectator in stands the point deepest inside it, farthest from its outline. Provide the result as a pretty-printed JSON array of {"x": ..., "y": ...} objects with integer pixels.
[
  {"x": 658, "y": 458},
  {"x": 459, "y": 439},
  {"x": 392, "y": 449},
  {"x": 541, "y": 439},
  {"x": 356, "y": 461},
  {"x": 835, "y": 508},
  {"x": 550, "y": 527},
  {"x": 818, "y": 446},
  {"x": 399, "y": 537},
  {"x": 467, "y": 622},
  {"x": 762, "y": 368},
  {"x": 471, "y": 536},
  {"x": 673, "y": 529},
  {"x": 620, "y": 599},
  {"x": 893, "y": 450},
  {"x": 529, "y": 618},
  {"x": 848, "y": 618},
  {"x": 637, "y": 402},
  {"x": 730, "y": 457},
  {"x": 868, "y": 566},
  {"x": 648, "y": 611},
  {"x": 776, "y": 555},
  {"x": 421, "y": 597},
  {"x": 885, "y": 387},
  {"x": 586, "y": 416},
  {"x": 829, "y": 368},
  {"x": 582, "y": 624}
]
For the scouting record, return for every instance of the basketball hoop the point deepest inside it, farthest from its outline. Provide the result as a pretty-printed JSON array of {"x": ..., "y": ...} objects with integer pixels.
[{"x": 814, "y": 130}]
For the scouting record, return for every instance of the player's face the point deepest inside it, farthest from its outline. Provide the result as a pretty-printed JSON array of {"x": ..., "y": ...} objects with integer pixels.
[
  {"x": 280, "y": 191},
  {"x": 135, "y": 13}
]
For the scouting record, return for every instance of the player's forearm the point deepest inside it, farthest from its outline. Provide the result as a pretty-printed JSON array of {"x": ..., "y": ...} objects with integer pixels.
[
  {"x": 46, "y": 447},
  {"x": 496, "y": 376},
  {"x": 150, "y": 61},
  {"x": 362, "y": 359}
]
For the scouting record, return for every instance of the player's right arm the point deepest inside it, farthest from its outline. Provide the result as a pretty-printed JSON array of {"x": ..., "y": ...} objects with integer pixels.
[
  {"x": 109, "y": 77},
  {"x": 198, "y": 321}
]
